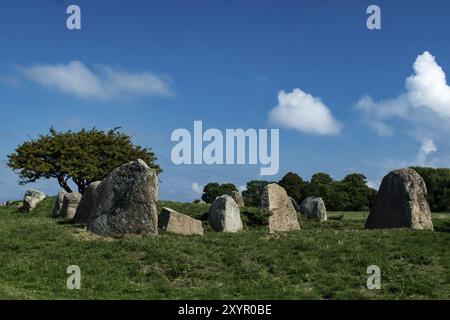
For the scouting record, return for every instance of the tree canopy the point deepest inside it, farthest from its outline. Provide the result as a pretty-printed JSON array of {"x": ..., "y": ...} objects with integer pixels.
[
  {"x": 437, "y": 181},
  {"x": 213, "y": 190},
  {"x": 252, "y": 194},
  {"x": 294, "y": 186},
  {"x": 84, "y": 156}
]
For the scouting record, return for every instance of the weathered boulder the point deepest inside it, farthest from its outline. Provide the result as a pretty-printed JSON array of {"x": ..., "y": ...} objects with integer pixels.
[
  {"x": 401, "y": 202},
  {"x": 224, "y": 215},
  {"x": 314, "y": 208},
  {"x": 175, "y": 222},
  {"x": 86, "y": 207},
  {"x": 125, "y": 201},
  {"x": 198, "y": 201},
  {"x": 295, "y": 204},
  {"x": 283, "y": 216},
  {"x": 70, "y": 204},
  {"x": 31, "y": 199},
  {"x": 58, "y": 203},
  {"x": 237, "y": 197}
]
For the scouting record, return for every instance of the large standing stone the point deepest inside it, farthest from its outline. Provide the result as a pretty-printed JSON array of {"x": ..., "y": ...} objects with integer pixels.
[
  {"x": 314, "y": 208},
  {"x": 126, "y": 201},
  {"x": 178, "y": 223},
  {"x": 283, "y": 216},
  {"x": 31, "y": 199},
  {"x": 86, "y": 207},
  {"x": 58, "y": 203},
  {"x": 224, "y": 215},
  {"x": 401, "y": 202},
  {"x": 70, "y": 204},
  {"x": 237, "y": 197}
]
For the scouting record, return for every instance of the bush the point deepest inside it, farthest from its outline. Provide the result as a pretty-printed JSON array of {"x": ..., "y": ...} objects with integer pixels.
[{"x": 253, "y": 216}]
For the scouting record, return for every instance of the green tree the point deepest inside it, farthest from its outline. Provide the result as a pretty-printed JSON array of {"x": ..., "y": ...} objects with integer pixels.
[
  {"x": 294, "y": 186},
  {"x": 321, "y": 185},
  {"x": 252, "y": 194},
  {"x": 361, "y": 196},
  {"x": 437, "y": 181},
  {"x": 83, "y": 157},
  {"x": 213, "y": 190}
]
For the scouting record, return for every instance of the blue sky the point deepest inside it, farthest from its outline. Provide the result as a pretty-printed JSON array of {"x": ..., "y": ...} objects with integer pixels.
[{"x": 154, "y": 66}]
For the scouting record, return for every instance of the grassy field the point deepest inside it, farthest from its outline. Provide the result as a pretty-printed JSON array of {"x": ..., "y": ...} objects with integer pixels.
[{"x": 322, "y": 261}]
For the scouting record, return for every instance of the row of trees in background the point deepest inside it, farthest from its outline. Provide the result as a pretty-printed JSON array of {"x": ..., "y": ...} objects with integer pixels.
[
  {"x": 90, "y": 155},
  {"x": 349, "y": 194}
]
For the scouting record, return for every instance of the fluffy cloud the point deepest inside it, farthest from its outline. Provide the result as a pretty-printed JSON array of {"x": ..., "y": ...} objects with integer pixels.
[
  {"x": 428, "y": 86},
  {"x": 100, "y": 83},
  {"x": 425, "y": 101},
  {"x": 301, "y": 111}
]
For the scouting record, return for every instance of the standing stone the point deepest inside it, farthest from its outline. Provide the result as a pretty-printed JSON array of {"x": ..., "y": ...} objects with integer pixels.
[
  {"x": 86, "y": 207},
  {"x": 125, "y": 201},
  {"x": 178, "y": 223},
  {"x": 401, "y": 202},
  {"x": 283, "y": 216},
  {"x": 224, "y": 215},
  {"x": 198, "y": 201},
  {"x": 237, "y": 197},
  {"x": 295, "y": 204},
  {"x": 58, "y": 203},
  {"x": 70, "y": 204},
  {"x": 314, "y": 208},
  {"x": 31, "y": 199}
]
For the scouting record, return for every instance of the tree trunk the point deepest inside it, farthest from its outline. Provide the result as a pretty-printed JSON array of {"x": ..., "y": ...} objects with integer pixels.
[{"x": 63, "y": 184}]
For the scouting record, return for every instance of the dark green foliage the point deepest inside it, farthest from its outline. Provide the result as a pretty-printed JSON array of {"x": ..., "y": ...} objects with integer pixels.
[
  {"x": 349, "y": 194},
  {"x": 213, "y": 190},
  {"x": 438, "y": 186},
  {"x": 360, "y": 195},
  {"x": 84, "y": 156},
  {"x": 252, "y": 194},
  {"x": 294, "y": 186},
  {"x": 252, "y": 216}
]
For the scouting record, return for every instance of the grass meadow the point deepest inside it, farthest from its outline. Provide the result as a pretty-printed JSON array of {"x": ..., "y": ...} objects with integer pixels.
[{"x": 322, "y": 261}]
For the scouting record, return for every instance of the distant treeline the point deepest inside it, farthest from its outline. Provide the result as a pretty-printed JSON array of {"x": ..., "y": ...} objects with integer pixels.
[{"x": 349, "y": 194}]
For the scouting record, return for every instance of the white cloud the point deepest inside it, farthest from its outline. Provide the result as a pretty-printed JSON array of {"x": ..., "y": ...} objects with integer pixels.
[
  {"x": 197, "y": 188},
  {"x": 428, "y": 86},
  {"x": 425, "y": 101},
  {"x": 426, "y": 148},
  {"x": 101, "y": 83},
  {"x": 301, "y": 111}
]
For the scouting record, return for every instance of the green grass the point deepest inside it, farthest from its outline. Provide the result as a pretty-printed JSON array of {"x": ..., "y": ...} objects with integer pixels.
[{"x": 322, "y": 261}]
